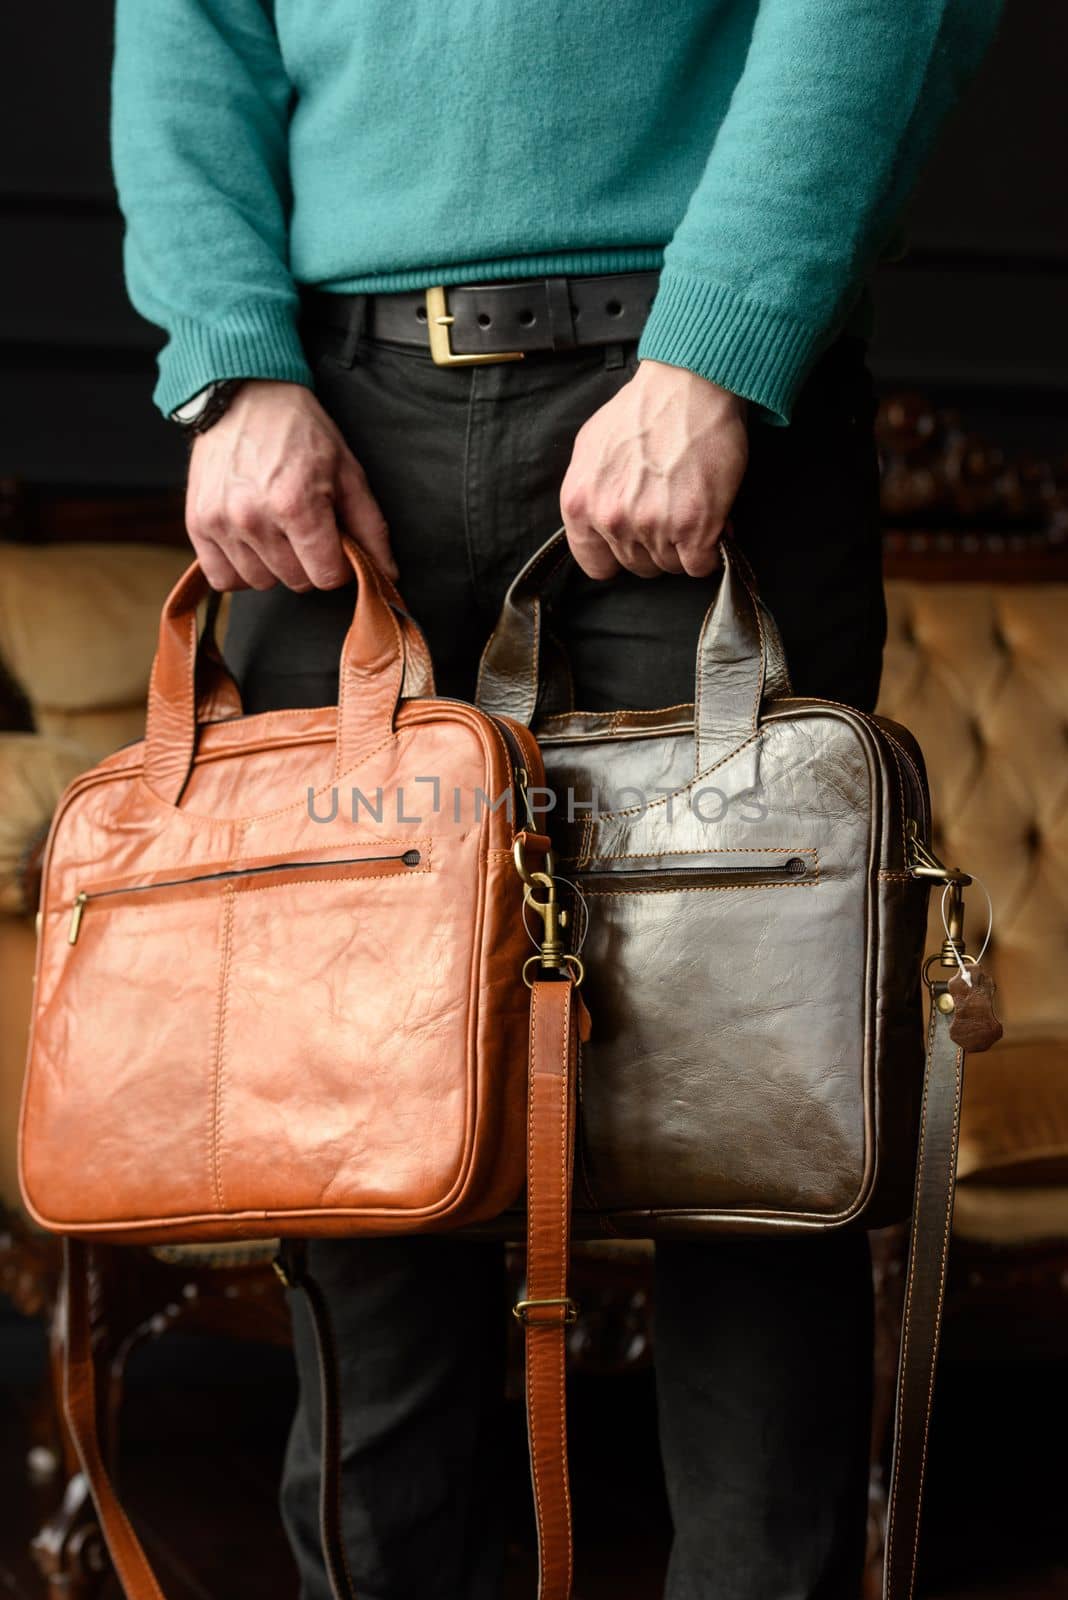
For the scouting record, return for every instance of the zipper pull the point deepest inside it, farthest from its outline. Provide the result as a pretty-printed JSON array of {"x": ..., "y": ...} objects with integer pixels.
[{"x": 76, "y": 916}]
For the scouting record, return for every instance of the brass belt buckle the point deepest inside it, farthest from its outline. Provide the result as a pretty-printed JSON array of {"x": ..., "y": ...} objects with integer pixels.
[{"x": 439, "y": 321}]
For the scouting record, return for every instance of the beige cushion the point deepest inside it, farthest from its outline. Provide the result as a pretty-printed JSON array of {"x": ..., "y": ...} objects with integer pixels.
[
  {"x": 979, "y": 673},
  {"x": 1014, "y": 1127},
  {"x": 1024, "y": 1216},
  {"x": 34, "y": 770},
  {"x": 17, "y": 950},
  {"x": 78, "y": 626}
]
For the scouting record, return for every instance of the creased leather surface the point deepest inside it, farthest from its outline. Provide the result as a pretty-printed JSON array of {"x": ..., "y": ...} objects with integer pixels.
[
  {"x": 291, "y": 1050},
  {"x": 758, "y": 1044}
]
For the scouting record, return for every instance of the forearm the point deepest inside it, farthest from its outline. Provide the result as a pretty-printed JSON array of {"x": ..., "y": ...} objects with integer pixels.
[
  {"x": 200, "y": 113},
  {"x": 835, "y": 111}
]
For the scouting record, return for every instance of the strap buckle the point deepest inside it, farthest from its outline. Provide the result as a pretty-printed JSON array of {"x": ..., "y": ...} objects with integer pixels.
[
  {"x": 438, "y": 322},
  {"x": 522, "y": 1308}
]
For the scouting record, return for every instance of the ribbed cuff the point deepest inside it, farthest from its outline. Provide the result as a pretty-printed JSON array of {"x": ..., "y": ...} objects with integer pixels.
[
  {"x": 750, "y": 349},
  {"x": 259, "y": 341}
]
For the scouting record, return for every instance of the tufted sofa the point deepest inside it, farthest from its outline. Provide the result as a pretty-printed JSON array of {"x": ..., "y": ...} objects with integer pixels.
[{"x": 978, "y": 671}]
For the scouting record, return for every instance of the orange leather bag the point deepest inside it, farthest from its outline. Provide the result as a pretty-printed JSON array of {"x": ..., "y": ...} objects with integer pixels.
[{"x": 280, "y": 992}]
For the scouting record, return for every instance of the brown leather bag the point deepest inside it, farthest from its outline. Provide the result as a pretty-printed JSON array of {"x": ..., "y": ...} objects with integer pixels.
[
  {"x": 244, "y": 1031},
  {"x": 754, "y": 932}
]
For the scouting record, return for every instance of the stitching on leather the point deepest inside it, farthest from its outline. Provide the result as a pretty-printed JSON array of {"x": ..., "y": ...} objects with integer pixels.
[
  {"x": 562, "y": 1271},
  {"x": 343, "y": 685},
  {"x": 885, "y": 875},
  {"x": 657, "y": 711},
  {"x": 361, "y": 877},
  {"x": 534, "y": 1197},
  {"x": 762, "y": 645},
  {"x": 943, "y": 1265},
  {"x": 636, "y": 811},
  {"x": 544, "y": 554},
  {"x": 254, "y": 863},
  {"x": 218, "y": 1066},
  {"x": 726, "y": 850},
  {"x": 490, "y": 726},
  {"x": 535, "y": 641},
  {"x": 696, "y": 888},
  {"x": 901, "y": 801},
  {"x": 903, "y": 755},
  {"x": 907, "y": 1318}
]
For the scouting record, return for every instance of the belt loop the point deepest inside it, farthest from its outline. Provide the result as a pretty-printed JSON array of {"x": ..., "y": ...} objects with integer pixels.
[
  {"x": 354, "y": 331},
  {"x": 614, "y": 356},
  {"x": 561, "y": 322}
]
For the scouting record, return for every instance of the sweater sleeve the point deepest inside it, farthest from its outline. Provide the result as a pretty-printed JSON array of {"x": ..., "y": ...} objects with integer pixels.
[
  {"x": 836, "y": 108},
  {"x": 200, "y": 111}
]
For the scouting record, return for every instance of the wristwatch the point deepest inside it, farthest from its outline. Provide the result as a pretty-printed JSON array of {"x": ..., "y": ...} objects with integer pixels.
[{"x": 204, "y": 409}]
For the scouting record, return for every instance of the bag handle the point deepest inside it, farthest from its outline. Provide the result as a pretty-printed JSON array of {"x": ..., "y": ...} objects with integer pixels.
[
  {"x": 383, "y": 653},
  {"x": 740, "y": 656}
]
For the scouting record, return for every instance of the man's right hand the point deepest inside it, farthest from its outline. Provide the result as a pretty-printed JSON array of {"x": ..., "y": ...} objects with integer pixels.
[{"x": 272, "y": 486}]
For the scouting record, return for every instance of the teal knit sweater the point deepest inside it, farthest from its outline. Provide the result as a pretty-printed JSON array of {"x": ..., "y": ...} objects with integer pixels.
[{"x": 760, "y": 150}]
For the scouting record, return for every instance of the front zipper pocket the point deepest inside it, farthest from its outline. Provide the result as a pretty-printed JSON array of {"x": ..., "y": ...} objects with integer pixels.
[
  {"x": 300, "y": 872},
  {"x": 666, "y": 874}
]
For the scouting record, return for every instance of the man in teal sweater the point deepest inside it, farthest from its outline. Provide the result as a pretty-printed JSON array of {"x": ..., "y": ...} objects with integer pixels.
[{"x": 438, "y": 275}]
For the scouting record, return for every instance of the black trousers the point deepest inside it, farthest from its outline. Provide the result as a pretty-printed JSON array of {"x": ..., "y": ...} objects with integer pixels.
[{"x": 763, "y": 1347}]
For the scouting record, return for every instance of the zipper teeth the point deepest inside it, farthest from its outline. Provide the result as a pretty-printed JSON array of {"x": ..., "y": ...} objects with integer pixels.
[
  {"x": 411, "y": 858},
  {"x": 793, "y": 867}
]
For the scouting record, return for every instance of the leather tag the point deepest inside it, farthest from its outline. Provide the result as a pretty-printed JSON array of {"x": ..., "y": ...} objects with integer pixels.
[{"x": 976, "y": 1025}]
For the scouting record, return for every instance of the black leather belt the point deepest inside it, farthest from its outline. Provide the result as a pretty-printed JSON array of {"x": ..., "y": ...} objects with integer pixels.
[{"x": 473, "y": 323}]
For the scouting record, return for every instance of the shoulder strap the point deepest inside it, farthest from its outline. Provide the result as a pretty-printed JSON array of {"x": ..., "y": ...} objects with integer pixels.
[
  {"x": 557, "y": 1018},
  {"x": 921, "y": 1329},
  {"x": 558, "y": 1022}
]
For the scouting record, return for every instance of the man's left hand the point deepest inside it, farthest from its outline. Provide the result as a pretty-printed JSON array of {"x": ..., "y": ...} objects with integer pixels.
[{"x": 654, "y": 474}]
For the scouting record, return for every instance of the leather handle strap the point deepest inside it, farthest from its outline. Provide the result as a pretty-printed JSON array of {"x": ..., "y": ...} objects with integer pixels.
[
  {"x": 558, "y": 1021},
  {"x": 131, "y": 1565},
  {"x": 383, "y": 653},
  {"x": 740, "y": 658},
  {"x": 921, "y": 1329}
]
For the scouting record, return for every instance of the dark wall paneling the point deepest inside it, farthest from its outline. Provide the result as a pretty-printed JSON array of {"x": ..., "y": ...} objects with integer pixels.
[{"x": 977, "y": 314}]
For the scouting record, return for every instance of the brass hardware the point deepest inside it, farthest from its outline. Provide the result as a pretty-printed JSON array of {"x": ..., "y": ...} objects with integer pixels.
[
  {"x": 522, "y": 779},
  {"x": 945, "y": 1001},
  {"x": 923, "y": 863},
  {"x": 521, "y": 1307},
  {"x": 439, "y": 321},
  {"x": 574, "y": 963},
  {"x": 519, "y": 857},
  {"x": 76, "y": 917},
  {"x": 281, "y": 1274},
  {"x": 553, "y": 954}
]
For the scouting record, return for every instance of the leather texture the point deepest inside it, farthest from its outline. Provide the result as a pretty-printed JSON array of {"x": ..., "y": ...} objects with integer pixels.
[
  {"x": 757, "y": 1064},
  {"x": 559, "y": 1022},
  {"x": 932, "y": 1223},
  {"x": 743, "y": 1010},
  {"x": 227, "y": 1021},
  {"x": 553, "y": 313}
]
